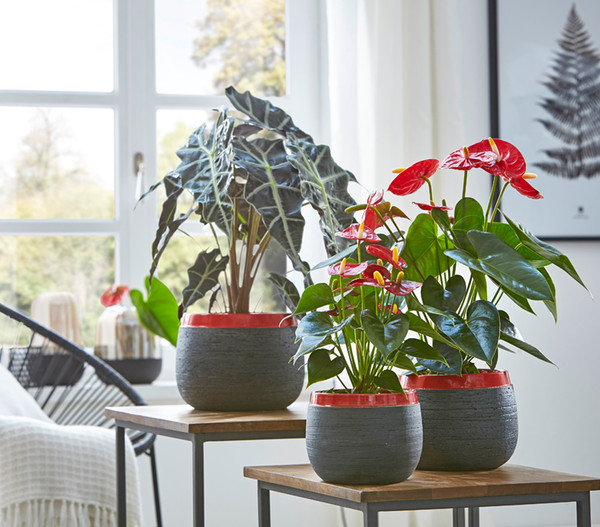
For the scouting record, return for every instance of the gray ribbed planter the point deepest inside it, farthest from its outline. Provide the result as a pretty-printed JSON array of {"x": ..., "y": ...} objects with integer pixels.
[
  {"x": 361, "y": 444},
  {"x": 237, "y": 368},
  {"x": 466, "y": 427}
]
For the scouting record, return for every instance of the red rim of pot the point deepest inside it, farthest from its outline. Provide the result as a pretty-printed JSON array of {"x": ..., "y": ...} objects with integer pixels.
[
  {"x": 237, "y": 320},
  {"x": 363, "y": 400},
  {"x": 483, "y": 379}
]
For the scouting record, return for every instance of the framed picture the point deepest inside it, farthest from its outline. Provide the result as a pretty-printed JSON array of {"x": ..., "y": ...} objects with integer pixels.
[{"x": 545, "y": 99}]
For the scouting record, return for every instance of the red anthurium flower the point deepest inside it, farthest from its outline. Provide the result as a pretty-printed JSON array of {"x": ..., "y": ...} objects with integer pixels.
[
  {"x": 379, "y": 251},
  {"x": 411, "y": 179},
  {"x": 358, "y": 282},
  {"x": 508, "y": 163},
  {"x": 359, "y": 231},
  {"x": 114, "y": 295},
  {"x": 347, "y": 269},
  {"x": 523, "y": 187},
  {"x": 375, "y": 201},
  {"x": 428, "y": 207},
  {"x": 464, "y": 159},
  {"x": 403, "y": 288},
  {"x": 383, "y": 271}
]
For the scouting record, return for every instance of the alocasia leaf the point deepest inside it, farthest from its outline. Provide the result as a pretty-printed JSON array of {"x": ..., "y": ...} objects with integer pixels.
[
  {"x": 203, "y": 276},
  {"x": 286, "y": 290},
  {"x": 324, "y": 185}
]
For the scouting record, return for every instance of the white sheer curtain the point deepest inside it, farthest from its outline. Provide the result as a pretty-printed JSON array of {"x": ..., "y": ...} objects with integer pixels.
[{"x": 407, "y": 80}]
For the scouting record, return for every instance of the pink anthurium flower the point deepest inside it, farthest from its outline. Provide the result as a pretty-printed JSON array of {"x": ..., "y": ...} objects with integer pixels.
[
  {"x": 359, "y": 231},
  {"x": 429, "y": 207},
  {"x": 347, "y": 269},
  {"x": 375, "y": 201},
  {"x": 390, "y": 256},
  {"x": 412, "y": 178},
  {"x": 114, "y": 295}
]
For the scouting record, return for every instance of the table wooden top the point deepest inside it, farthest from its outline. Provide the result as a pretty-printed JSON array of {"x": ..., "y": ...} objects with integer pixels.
[
  {"x": 183, "y": 418},
  {"x": 427, "y": 485}
]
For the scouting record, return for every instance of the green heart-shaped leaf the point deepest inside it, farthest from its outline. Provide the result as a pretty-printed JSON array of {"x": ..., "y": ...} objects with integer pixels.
[
  {"x": 321, "y": 367},
  {"x": 448, "y": 299},
  {"x": 389, "y": 380},
  {"x": 453, "y": 360},
  {"x": 314, "y": 297},
  {"x": 421, "y": 350},
  {"x": 388, "y": 337}
]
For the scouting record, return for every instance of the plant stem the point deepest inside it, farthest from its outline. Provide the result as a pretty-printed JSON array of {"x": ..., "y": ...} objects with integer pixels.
[
  {"x": 492, "y": 192},
  {"x": 498, "y": 203},
  {"x": 464, "y": 190}
]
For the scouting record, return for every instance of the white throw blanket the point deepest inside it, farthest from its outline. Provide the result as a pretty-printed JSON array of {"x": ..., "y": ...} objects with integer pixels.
[{"x": 61, "y": 476}]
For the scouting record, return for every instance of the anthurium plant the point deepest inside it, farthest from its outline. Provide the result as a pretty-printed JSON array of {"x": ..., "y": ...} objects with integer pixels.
[
  {"x": 427, "y": 299},
  {"x": 249, "y": 179}
]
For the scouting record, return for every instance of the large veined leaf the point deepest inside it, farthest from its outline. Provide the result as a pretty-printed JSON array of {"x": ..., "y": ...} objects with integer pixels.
[
  {"x": 286, "y": 290},
  {"x": 500, "y": 261},
  {"x": 314, "y": 297},
  {"x": 324, "y": 184},
  {"x": 477, "y": 336},
  {"x": 263, "y": 113},
  {"x": 546, "y": 251},
  {"x": 273, "y": 188},
  {"x": 423, "y": 250},
  {"x": 203, "y": 276},
  {"x": 387, "y": 337}
]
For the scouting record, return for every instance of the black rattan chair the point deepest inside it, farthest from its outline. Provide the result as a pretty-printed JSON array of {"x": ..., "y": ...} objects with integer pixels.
[{"x": 71, "y": 386}]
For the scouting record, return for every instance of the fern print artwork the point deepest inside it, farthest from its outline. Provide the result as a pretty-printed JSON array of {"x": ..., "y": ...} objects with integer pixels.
[{"x": 573, "y": 108}]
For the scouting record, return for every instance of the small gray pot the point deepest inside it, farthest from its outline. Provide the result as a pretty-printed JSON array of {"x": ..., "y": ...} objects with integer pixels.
[
  {"x": 361, "y": 444},
  {"x": 237, "y": 368},
  {"x": 467, "y": 428}
]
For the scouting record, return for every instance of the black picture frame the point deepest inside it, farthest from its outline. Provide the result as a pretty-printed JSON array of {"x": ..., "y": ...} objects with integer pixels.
[{"x": 571, "y": 208}]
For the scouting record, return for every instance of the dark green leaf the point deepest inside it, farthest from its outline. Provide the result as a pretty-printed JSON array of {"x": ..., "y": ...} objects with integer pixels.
[
  {"x": 421, "y": 350},
  {"x": 324, "y": 185},
  {"x": 452, "y": 356},
  {"x": 550, "y": 304},
  {"x": 500, "y": 261},
  {"x": 314, "y": 297},
  {"x": 404, "y": 363},
  {"x": 310, "y": 344},
  {"x": 546, "y": 251},
  {"x": 423, "y": 250},
  {"x": 273, "y": 188},
  {"x": 315, "y": 324},
  {"x": 528, "y": 348},
  {"x": 389, "y": 380},
  {"x": 468, "y": 215},
  {"x": 203, "y": 276},
  {"x": 159, "y": 313},
  {"x": 423, "y": 328},
  {"x": 286, "y": 290},
  {"x": 387, "y": 337},
  {"x": 508, "y": 235},
  {"x": 507, "y": 327},
  {"x": 448, "y": 299},
  {"x": 320, "y": 367}
]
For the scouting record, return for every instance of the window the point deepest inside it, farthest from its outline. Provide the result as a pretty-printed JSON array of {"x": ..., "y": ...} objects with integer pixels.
[{"x": 101, "y": 82}]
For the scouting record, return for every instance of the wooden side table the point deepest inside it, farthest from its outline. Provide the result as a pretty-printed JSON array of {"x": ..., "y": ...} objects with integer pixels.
[
  {"x": 183, "y": 422},
  {"x": 507, "y": 485}
]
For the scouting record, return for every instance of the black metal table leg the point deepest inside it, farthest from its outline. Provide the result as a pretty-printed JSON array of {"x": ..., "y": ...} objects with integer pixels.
[
  {"x": 584, "y": 516},
  {"x": 121, "y": 483},
  {"x": 473, "y": 516},
  {"x": 458, "y": 517},
  {"x": 264, "y": 507},
  {"x": 198, "y": 477},
  {"x": 370, "y": 516}
]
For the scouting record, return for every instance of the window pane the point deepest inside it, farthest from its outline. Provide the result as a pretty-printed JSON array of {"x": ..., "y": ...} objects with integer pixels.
[
  {"x": 203, "y": 46},
  {"x": 64, "y": 45},
  {"x": 56, "y": 163},
  {"x": 82, "y": 265}
]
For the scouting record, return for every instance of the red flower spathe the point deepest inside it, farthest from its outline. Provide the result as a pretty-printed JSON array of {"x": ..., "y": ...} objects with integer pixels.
[
  {"x": 411, "y": 179},
  {"x": 354, "y": 233},
  {"x": 114, "y": 295}
]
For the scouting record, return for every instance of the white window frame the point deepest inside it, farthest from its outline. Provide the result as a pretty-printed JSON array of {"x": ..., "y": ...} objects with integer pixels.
[{"x": 135, "y": 103}]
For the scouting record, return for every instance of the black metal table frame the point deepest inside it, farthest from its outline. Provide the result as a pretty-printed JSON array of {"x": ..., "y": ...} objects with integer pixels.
[
  {"x": 197, "y": 441},
  {"x": 371, "y": 510}
]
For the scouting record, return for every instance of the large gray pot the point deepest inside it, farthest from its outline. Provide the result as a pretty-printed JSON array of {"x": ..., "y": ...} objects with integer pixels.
[
  {"x": 362, "y": 441},
  {"x": 237, "y": 368},
  {"x": 466, "y": 426}
]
